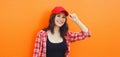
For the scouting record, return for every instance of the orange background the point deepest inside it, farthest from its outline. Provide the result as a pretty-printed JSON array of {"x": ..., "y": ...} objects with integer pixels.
[{"x": 20, "y": 20}]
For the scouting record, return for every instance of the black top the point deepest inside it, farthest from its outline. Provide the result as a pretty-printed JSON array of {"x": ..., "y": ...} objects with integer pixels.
[{"x": 56, "y": 49}]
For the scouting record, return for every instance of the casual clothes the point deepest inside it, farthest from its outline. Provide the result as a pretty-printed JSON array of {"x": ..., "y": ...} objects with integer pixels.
[
  {"x": 41, "y": 42},
  {"x": 56, "y": 49}
]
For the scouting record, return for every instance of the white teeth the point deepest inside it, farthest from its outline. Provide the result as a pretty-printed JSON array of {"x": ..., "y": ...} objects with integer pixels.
[{"x": 60, "y": 22}]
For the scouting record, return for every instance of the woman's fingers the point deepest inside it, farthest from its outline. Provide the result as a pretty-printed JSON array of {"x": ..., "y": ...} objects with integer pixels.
[{"x": 73, "y": 17}]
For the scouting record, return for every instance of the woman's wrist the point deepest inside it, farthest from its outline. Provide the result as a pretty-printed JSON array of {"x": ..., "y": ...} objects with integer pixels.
[{"x": 81, "y": 25}]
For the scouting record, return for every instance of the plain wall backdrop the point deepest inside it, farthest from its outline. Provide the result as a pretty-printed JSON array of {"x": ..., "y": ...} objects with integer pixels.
[{"x": 20, "y": 20}]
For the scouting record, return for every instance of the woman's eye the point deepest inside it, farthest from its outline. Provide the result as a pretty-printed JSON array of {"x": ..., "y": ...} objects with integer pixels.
[
  {"x": 63, "y": 17},
  {"x": 58, "y": 15}
]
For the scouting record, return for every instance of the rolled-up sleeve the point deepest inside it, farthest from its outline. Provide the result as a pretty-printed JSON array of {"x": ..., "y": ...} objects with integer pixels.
[{"x": 75, "y": 36}]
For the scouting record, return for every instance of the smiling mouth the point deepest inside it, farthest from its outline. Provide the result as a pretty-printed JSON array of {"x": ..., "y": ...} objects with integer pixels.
[{"x": 60, "y": 22}]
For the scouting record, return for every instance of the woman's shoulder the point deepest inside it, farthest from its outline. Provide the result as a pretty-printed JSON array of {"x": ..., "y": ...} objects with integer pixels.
[
  {"x": 41, "y": 35},
  {"x": 42, "y": 32}
]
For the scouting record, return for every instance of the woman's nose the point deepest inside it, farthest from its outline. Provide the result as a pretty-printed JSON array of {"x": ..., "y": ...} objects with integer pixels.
[{"x": 61, "y": 19}]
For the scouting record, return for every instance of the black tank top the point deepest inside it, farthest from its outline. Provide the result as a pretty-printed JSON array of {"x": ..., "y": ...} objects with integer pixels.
[{"x": 56, "y": 49}]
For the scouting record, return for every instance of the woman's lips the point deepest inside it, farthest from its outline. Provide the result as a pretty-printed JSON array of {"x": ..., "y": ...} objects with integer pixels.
[{"x": 60, "y": 22}]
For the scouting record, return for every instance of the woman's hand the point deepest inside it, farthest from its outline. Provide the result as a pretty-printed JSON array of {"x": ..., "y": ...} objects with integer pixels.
[{"x": 74, "y": 17}]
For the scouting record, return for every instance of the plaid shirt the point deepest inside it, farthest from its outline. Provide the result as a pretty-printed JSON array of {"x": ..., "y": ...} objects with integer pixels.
[{"x": 41, "y": 39}]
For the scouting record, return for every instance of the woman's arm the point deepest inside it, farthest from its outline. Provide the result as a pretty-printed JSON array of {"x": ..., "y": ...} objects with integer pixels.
[
  {"x": 75, "y": 36},
  {"x": 38, "y": 45}
]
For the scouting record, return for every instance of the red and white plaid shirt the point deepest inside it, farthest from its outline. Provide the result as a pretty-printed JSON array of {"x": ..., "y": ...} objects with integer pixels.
[{"x": 41, "y": 39}]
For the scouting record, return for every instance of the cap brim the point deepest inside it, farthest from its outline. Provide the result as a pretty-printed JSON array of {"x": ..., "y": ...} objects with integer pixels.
[{"x": 66, "y": 13}]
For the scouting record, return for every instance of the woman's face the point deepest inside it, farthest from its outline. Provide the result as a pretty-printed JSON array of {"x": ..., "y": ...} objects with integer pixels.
[{"x": 60, "y": 19}]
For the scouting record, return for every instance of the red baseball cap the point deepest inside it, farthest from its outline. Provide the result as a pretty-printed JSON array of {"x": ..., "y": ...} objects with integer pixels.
[{"x": 59, "y": 9}]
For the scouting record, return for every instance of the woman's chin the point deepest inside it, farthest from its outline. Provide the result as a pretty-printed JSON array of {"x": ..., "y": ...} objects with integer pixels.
[{"x": 60, "y": 25}]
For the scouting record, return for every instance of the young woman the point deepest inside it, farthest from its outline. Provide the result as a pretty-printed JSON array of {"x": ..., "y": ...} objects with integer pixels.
[{"x": 54, "y": 41}]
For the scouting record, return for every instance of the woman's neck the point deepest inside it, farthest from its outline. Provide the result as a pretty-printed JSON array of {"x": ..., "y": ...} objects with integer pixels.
[{"x": 56, "y": 29}]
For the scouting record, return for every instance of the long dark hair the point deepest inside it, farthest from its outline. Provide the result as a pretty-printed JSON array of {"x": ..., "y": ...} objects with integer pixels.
[{"x": 63, "y": 30}]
